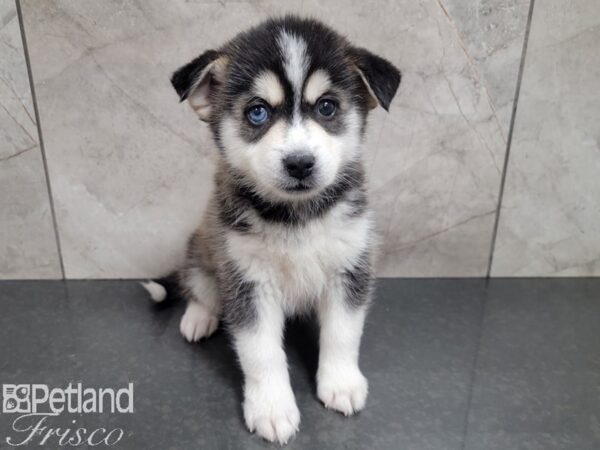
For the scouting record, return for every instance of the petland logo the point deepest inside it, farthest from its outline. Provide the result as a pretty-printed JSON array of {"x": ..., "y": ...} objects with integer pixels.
[{"x": 37, "y": 404}]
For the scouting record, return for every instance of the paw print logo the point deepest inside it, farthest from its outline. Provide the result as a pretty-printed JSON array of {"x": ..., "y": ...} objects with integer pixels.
[{"x": 16, "y": 398}]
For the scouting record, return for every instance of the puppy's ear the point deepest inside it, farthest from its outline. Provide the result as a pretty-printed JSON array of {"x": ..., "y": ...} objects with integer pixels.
[
  {"x": 196, "y": 80},
  {"x": 379, "y": 75}
]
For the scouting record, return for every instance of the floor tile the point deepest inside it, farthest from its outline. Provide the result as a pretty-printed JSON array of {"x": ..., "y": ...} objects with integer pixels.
[
  {"x": 37, "y": 342},
  {"x": 537, "y": 384},
  {"x": 418, "y": 351}
]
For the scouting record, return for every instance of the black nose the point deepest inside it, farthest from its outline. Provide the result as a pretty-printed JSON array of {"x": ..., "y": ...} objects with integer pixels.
[{"x": 299, "y": 165}]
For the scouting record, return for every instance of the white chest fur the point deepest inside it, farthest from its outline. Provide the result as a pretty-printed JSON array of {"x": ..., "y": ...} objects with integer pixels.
[{"x": 297, "y": 263}]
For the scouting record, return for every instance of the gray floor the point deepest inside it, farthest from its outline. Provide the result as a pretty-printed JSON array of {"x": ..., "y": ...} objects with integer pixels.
[{"x": 452, "y": 364}]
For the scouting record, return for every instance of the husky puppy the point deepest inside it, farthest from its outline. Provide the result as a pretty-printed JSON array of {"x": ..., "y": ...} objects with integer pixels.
[{"x": 288, "y": 228}]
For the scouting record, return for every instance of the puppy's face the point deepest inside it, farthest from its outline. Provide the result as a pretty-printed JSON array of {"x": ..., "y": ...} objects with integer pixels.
[{"x": 287, "y": 102}]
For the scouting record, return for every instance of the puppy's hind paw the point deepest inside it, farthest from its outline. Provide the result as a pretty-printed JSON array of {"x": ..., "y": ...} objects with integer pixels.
[{"x": 197, "y": 322}]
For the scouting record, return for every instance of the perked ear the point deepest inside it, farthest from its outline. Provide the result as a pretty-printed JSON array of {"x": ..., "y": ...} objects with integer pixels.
[
  {"x": 380, "y": 76},
  {"x": 194, "y": 81}
]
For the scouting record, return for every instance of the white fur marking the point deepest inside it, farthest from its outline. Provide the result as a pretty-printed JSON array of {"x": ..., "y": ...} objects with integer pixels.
[
  {"x": 340, "y": 383},
  {"x": 299, "y": 264},
  {"x": 203, "y": 287},
  {"x": 201, "y": 316},
  {"x": 268, "y": 87},
  {"x": 296, "y": 59},
  {"x": 291, "y": 268},
  {"x": 262, "y": 159},
  {"x": 157, "y": 292},
  {"x": 269, "y": 405},
  {"x": 317, "y": 85}
]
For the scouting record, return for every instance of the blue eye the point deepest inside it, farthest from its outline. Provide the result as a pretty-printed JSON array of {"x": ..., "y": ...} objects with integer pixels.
[
  {"x": 257, "y": 114},
  {"x": 326, "y": 107}
]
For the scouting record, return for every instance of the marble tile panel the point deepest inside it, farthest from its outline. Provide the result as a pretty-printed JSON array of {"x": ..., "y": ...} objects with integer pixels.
[
  {"x": 550, "y": 216},
  {"x": 492, "y": 33},
  {"x": 132, "y": 167},
  {"x": 27, "y": 242}
]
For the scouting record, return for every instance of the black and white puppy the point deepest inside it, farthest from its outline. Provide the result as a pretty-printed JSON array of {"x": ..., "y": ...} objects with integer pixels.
[{"x": 288, "y": 228}]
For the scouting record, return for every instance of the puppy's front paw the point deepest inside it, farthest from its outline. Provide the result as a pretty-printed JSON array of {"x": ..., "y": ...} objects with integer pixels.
[
  {"x": 197, "y": 322},
  {"x": 271, "y": 413},
  {"x": 342, "y": 389}
]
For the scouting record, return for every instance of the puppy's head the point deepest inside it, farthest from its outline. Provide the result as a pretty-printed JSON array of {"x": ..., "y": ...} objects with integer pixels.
[{"x": 287, "y": 103}]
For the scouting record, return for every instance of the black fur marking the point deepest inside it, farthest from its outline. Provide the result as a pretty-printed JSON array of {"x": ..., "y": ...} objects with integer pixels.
[
  {"x": 294, "y": 213},
  {"x": 237, "y": 296},
  {"x": 358, "y": 282},
  {"x": 333, "y": 125},
  {"x": 358, "y": 202},
  {"x": 233, "y": 217},
  {"x": 257, "y": 50},
  {"x": 197, "y": 256},
  {"x": 185, "y": 77},
  {"x": 382, "y": 76}
]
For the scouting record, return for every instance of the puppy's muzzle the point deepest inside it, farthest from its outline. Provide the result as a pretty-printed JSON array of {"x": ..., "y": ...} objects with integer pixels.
[{"x": 299, "y": 165}]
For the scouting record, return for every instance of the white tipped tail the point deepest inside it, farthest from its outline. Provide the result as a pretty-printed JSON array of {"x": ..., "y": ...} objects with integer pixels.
[{"x": 156, "y": 291}]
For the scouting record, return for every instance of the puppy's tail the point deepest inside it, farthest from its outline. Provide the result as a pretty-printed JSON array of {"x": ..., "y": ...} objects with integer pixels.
[{"x": 163, "y": 290}]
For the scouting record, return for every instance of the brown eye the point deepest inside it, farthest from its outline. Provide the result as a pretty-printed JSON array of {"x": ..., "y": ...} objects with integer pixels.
[{"x": 326, "y": 107}]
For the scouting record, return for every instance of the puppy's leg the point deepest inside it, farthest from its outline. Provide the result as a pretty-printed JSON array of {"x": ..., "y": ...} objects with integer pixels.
[
  {"x": 201, "y": 316},
  {"x": 340, "y": 383},
  {"x": 269, "y": 404}
]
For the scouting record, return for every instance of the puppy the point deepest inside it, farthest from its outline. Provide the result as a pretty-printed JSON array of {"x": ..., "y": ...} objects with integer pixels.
[{"x": 288, "y": 228}]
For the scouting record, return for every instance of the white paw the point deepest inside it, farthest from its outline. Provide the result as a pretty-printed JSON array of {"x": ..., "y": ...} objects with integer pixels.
[
  {"x": 197, "y": 322},
  {"x": 271, "y": 413},
  {"x": 342, "y": 389}
]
